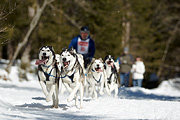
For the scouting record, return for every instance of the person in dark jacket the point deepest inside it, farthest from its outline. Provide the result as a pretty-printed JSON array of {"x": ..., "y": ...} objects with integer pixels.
[
  {"x": 84, "y": 44},
  {"x": 125, "y": 62}
]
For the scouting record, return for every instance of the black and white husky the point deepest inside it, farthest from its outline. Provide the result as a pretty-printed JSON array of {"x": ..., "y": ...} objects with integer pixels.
[
  {"x": 111, "y": 68},
  {"x": 48, "y": 74},
  {"x": 96, "y": 77},
  {"x": 72, "y": 73}
]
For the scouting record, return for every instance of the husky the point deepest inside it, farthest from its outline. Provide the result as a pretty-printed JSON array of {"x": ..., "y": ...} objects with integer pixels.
[
  {"x": 111, "y": 69},
  {"x": 48, "y": 74},
  {"x": 73, "y": 74},
  {"x": 96, "y": 77}
]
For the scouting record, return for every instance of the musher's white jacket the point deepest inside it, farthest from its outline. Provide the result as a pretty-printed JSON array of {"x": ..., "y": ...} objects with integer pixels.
[{"x": 138, "y": 69}]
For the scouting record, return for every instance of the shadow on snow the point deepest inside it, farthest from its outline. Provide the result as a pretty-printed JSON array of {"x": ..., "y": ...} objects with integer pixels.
[
  {"x": 127, "y": 93},
  {"x": 46, "y": 112}
]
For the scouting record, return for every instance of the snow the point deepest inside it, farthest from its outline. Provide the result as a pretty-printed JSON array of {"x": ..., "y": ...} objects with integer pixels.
[{"x": 25, "y": 100}]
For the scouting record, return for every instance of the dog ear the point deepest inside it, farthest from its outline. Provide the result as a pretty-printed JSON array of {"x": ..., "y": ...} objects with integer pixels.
[
  {"x": 64, "y": 49},
  {"x": 113, "y": 57},
  {"x": 101, "y": 60},
  {"x": 72, "y": 50},
  {"x": 93, "y": 59},
  {"x": 41, "y": 47},
  {"x": 51, "y": 48},
  {"x": 89, "y": 67}
]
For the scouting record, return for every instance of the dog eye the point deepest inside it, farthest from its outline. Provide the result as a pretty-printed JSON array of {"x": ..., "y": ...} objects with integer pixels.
[
  {"x": 48, "y": 50},
  {"x": 68, "y": 54},
  {"x": 42, "y": 50}
]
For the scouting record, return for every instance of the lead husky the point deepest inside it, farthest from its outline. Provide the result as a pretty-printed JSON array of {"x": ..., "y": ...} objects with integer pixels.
[
  {"x": 72, "y": 73},
  {"x": 96, "y": 77},
  {"x": 112, "y": 75},
  {"x": 48, "y": 74}
]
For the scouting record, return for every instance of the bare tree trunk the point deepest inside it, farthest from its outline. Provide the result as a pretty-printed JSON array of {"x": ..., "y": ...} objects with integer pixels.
[
  {"x": 0, "y": 51},
  {"x": 126, "y": 33},
  {"x": 126, "y": 26},
  {"x": 33, "y": 24},
  {"x": 123, "y": 32},
  {"x": 25, "y": 63},
  {"x": 167, "y": 48},
  {"x": 10, "y": 51},
  {"x": 127, "y": 29},
  {"x": 25, "y": 58}
]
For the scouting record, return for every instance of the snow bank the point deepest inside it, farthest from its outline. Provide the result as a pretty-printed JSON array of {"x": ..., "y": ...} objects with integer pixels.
[{"x": 25, "y": 100}]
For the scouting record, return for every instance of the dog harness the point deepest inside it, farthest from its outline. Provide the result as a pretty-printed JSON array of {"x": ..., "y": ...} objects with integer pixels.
[
  {"x": 113, "y": 72},
  {"x": 47, "y": 75},
  {"x": 70, "y": 77},
  {"x": 98, "y": 81}
]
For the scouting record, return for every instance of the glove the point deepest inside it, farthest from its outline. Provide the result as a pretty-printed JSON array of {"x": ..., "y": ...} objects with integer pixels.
[{"x": 124, "y": 61}]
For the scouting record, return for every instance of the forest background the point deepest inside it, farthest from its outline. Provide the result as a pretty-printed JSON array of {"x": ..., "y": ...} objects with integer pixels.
[{"x": 150, "y": 28}]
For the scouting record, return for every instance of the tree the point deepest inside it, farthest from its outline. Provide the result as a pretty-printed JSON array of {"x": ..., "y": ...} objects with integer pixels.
[
  {"x": 5, "y": 29},
  {"x": 33, "y": 24}
]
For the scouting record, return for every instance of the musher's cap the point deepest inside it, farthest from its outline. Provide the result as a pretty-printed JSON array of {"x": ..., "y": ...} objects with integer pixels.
[{"x": 85, "y": 29}]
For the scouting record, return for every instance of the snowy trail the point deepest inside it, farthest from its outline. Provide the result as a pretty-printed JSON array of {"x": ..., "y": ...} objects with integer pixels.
[{"x": 25, "y": 100}]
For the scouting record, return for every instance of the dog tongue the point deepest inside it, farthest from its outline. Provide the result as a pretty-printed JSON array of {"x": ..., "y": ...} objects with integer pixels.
[
  {"x": 112, "y": 64},
  {"x": 39, "y": 62},
  {"x": 66, "y": 64}
]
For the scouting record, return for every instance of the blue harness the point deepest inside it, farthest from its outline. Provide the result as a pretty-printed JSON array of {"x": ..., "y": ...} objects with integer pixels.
[
  {"x": 70, "y": 77},
  {"x": 98, "y": 81},
  {"x": 47, "y": 75}
]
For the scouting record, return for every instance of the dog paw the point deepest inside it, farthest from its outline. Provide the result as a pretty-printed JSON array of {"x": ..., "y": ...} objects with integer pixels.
[
  {"x": 55, "y": 106},
  {"x": 52, "y": 106}
]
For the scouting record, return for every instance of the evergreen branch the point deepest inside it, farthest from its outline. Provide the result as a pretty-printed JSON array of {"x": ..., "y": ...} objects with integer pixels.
[{"x": 66, "y": 16}]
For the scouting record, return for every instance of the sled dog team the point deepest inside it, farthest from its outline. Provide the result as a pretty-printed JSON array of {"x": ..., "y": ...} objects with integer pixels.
[{"x": 67, "y": 71}]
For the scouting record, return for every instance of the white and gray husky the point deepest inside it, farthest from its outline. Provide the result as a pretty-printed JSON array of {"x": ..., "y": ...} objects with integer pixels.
[
  {"x": 96, "y": 77},
  {"x": 48, "y": 74},
  {"x": 72, "y": 74},
  {"x": 111, "y": 68}
]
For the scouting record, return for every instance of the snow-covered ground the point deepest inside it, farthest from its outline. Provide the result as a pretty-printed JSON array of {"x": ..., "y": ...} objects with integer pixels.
[{"x": 25, "y": 101}]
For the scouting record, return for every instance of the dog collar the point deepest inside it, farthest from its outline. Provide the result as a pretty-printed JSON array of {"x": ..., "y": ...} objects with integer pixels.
[{"x": 46, "y": 66}]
